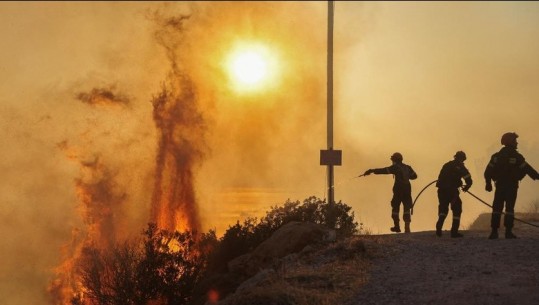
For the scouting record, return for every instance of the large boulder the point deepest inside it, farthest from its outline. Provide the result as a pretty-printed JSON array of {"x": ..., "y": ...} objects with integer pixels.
[
  {"x": 290, "y": 238},
  {"x": 481, "y": 223}
]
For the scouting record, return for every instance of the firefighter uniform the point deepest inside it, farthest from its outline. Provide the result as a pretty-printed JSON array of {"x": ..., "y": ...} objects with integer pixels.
[
  {"x": 449, "y": 182},
  {"x": 402, "y": 190},
  {"x": 506, "y": 168}
]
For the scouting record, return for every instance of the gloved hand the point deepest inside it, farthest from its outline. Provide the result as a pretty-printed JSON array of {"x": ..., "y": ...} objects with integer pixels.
[
  {"x": 368, "y": 172},
  {"x": 466, "y": 188},
  {"x": 488, "y": 187}
]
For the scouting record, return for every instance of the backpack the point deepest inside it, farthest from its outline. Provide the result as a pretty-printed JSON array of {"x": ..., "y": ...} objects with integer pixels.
[{"x": 507, "y": 167}]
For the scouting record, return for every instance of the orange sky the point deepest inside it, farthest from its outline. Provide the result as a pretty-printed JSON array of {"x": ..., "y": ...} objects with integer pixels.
[{"x": 422, "y": 78}]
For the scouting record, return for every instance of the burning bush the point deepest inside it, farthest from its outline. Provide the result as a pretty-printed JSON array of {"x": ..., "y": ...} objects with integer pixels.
[{"x": 162, "y": 268}]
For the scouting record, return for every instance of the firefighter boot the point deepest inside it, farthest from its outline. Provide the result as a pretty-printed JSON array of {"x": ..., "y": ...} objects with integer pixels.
[
  {"x": 439, "y": 226},
  {"x": 455, "y": 229},
  {"x": 509, "y": 233},
  {"x": 494, "y": 224},
  {"x": 493, "y": 234},
  {"x": 396, "y": 228},
  {"x": 407, "y": 227},
  {"x": 456, "y": 234}
]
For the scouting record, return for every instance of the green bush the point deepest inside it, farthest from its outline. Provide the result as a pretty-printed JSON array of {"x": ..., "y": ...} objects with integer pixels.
[{"x": 243, "y": 238}]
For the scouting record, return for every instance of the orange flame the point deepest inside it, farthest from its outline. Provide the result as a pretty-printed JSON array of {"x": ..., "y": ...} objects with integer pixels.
[
  {"x": 98, "y": 200},
  {"x": 181, "y": 144}
]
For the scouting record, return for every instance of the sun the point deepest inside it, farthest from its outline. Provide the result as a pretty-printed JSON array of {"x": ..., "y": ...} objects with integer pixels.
[{"x": 251, "y": 67}]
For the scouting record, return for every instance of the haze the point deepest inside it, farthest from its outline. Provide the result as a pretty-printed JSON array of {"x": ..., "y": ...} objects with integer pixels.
[{"x": 422, "y": 78}]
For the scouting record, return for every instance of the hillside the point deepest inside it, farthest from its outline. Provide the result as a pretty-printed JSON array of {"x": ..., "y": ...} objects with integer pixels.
[
  {"x": 416, "y": 268},
  {"x": 422, "y": 269}
]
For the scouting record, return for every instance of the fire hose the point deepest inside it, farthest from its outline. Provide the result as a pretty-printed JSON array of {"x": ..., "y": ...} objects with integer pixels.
[
  {"x": 473, "y": 195},
  {"x": 482, "y": 201},
  {"x": 417, "y": 197}
]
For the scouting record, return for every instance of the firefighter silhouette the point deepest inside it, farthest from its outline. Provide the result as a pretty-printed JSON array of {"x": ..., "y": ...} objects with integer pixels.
[
  {"x": 449, "y": 182},
  {"x": 506, "y": 168},
  {"x": 402, "y": 190}
]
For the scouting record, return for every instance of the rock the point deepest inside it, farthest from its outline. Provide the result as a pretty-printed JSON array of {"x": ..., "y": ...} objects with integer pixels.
[
  {"x": 261, "y": 278},
  {"x": 290, "y": 238},
  {"x": 238, "y": 265}
]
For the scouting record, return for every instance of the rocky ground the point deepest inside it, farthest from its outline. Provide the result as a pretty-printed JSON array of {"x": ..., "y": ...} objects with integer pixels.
[
  {"x": 421, "y": 268},
  {"x": 415, "y": 268}
]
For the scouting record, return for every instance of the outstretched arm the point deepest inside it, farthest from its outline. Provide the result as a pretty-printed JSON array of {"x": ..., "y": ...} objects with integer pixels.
[
  {"x": 378, "y": 171},
  {"x": 382, "y": 171}
]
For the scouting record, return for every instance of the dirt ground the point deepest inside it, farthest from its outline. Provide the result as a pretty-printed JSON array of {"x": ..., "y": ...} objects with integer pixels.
[{"x": 421, "y": 268}]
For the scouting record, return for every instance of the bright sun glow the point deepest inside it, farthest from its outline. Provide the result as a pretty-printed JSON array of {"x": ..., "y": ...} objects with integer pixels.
[{"x": 251, "y": 67}]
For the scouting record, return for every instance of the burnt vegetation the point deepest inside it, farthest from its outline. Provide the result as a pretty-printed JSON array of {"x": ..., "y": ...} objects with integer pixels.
[{"x": 167, "y": 268}]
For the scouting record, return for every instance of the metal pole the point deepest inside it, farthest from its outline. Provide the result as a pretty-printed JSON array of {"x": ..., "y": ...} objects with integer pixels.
[{"x": 331, "y": 195}]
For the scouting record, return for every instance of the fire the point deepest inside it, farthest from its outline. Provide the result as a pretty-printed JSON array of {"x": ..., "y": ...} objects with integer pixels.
[
  {"x": 180, "y": 148},
  {"x": 173, "y": 203},
  {"x": 98, "y": 199},
  {"x": 181, "y": 143}
]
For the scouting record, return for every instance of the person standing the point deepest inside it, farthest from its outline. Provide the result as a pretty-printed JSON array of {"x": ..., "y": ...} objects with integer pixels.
[
  {"x": 449, "y": 182},
  {"x": 506, "y": 168},
  {"x": 402, "y": 190}
]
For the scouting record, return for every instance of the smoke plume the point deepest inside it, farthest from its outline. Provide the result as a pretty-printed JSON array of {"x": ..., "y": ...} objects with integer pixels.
[
  {"x": 137, "y": 95},
  {"x": 180, "y": 146},
  {"x": 101, "y": 202},
  {"x": 102, "y": 96},
  {"x": 181, "y": 138}
]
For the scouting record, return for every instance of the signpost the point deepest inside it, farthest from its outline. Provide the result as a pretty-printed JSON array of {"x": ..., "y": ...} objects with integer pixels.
[{"x": 330, "y": 157}]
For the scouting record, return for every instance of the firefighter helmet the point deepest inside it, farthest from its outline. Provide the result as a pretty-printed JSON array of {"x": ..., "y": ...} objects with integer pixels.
[
  {"x": 509, "y": 139},
  {"x": 460, "y": 156},
  {"x": 396, "y": 157}
]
